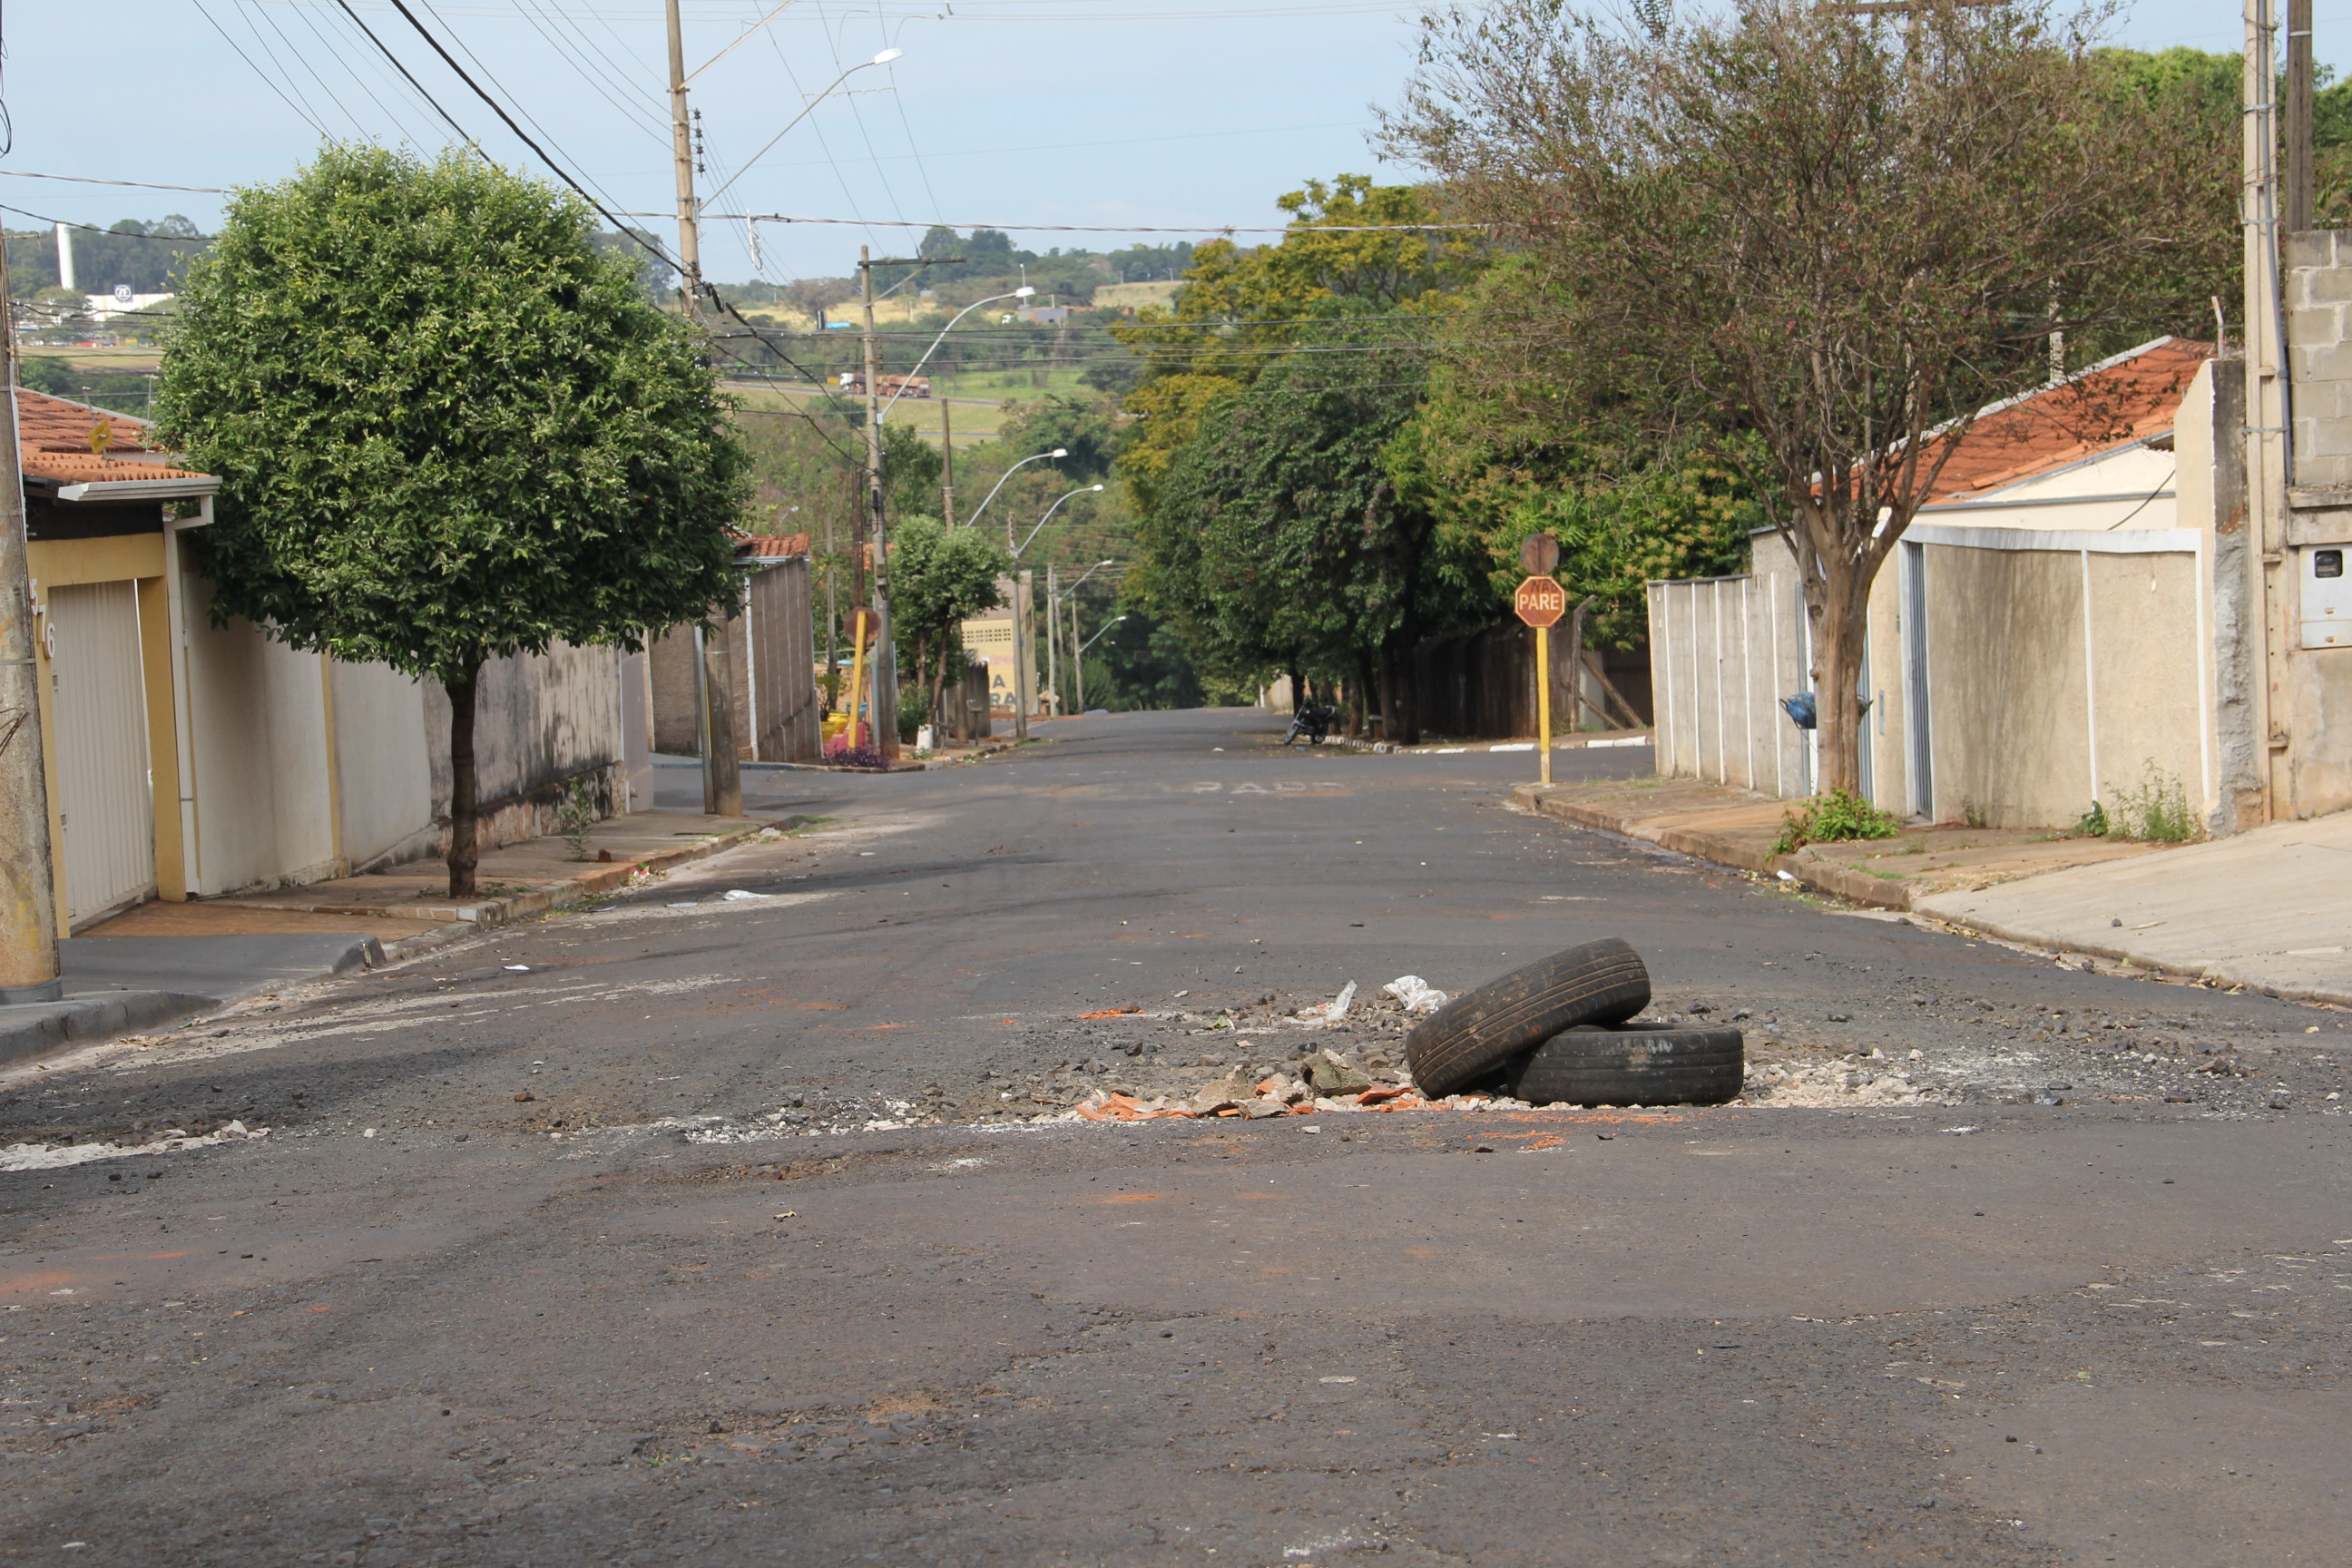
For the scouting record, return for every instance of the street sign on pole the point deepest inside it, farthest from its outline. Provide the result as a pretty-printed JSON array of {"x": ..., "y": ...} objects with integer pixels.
[
  {"x": 1540, "y": 602},
  {"x": 1538, "y": 553}
]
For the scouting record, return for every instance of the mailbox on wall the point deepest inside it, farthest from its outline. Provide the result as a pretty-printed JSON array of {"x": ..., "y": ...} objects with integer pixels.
[{"x": 2326, "y": 610}]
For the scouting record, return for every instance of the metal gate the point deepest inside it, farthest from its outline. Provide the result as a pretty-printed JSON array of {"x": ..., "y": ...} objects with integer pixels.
[{"x": 105, "y": 797}]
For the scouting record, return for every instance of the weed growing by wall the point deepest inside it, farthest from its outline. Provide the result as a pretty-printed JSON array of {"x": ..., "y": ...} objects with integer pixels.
[{"x": 1831, "y": 818}]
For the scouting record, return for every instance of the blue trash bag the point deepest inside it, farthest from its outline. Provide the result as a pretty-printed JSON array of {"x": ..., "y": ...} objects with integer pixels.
[{"x": 1801, "y": 709}]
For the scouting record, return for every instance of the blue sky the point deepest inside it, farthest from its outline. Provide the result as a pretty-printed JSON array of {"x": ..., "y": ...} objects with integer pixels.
[{"x": 1184, "y": 113}]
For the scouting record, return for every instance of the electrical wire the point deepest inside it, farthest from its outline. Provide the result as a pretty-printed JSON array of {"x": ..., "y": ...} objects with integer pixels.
[
  {"x": 242, "y": 8},
  {"x": 300, "y": 113},
  {"x": 492, "y": 78},
  {"x": 352, "y": 71},
  {"x": 386, "y": 50}
]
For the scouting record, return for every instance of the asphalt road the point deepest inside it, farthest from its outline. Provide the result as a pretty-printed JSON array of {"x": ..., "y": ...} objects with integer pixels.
[{"x": 698, "y": 1229}]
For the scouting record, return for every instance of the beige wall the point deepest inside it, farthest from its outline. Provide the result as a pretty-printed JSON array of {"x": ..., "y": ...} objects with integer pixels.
[
  {"x": 258, "y": 727},
  {"x": 382, "y": 776}
]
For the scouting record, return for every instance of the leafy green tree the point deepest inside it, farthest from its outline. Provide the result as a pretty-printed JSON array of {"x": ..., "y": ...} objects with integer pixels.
[
  {"x": 1835, "y": 235},
  {"x": 1083, "y": 430},
  {"x": 47, "y": 373},
  {"x": 939, "y": 578},
  {"x": 448, "y": 427},
  {"x": 1277, "y": 540}
]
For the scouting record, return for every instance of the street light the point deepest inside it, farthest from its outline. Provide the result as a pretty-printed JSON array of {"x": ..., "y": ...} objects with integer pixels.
[
  {"x": 1021, "y": 293},
  {"x": 884, "y": 59},
  {"x": 1082, "y": 490},
  {"x": 1055, "y": 599},
  {"x": 973, "y": 520},
  {"x": 1097, "y": 637}
]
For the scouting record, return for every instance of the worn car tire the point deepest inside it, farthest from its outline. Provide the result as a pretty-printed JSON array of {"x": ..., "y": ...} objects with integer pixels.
[
  {"x": 1653, "y": 1064},
  {"x": 1600, "y": 982}
]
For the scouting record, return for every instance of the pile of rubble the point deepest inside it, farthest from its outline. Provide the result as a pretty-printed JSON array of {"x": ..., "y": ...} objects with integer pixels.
[{"x": 1328, "y": 1080}]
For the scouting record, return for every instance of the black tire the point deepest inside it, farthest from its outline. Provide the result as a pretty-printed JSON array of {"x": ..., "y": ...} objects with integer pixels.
[
  {"x": 1646, "y": 1065},
  {"x": 1600, "y": 982}
]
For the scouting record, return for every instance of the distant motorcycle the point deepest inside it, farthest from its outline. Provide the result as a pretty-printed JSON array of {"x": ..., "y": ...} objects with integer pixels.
[{"x": 1314, "y": 720}]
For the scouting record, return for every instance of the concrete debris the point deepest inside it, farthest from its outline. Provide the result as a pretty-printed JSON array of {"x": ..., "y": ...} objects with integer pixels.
[
  {"x": 1333, "y": 1074},
  {"x": 1414, "y": 993},
  {"x": 1854, "y": 1081},
  {"x": 171, "y": 1140}
]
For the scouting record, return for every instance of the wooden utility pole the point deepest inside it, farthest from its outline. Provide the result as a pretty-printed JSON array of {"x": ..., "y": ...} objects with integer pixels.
[
  {"x": 723, "y": 775},
  {"x": 29, "y": 894},
  {"x": 2299, "y": 151},
  {"x": 886, "y": 663}
]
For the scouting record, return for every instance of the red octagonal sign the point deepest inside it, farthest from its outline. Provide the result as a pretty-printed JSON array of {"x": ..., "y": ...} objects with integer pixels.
[{"x": 1540, "y": 602}]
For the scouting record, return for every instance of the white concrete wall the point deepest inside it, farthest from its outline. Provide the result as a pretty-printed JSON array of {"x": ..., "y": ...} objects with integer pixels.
[
  {"x": 257, "y": 718},
  {"x": 382, "y": 775},
  {"x": 272, "y": 807}
]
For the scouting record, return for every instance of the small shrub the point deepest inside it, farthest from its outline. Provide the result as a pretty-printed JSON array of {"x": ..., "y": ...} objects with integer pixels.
[
  {"x": 2094, "y": 823},
  {"x": 1973, "y": 814},
  {"x": 2158, "y": 810},
  {"x": 575, "y": 815},
  {"x": 843, "y": 755},
  {"x": 1835, "y": 817},
  {"x": 914, "y": 713}
]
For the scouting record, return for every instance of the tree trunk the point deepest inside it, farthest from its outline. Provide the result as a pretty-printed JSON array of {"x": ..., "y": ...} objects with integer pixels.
[
  {"x": 464, "y": 783},
  {"x": 1839, "y": 631}
]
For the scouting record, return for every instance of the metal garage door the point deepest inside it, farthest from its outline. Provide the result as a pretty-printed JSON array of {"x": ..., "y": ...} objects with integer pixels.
[{"x": 100, "y": 711}]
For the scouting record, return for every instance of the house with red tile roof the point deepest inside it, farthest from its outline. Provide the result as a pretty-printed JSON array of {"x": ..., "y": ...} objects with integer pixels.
[
  {"x": 186, "y": 759},
  {"x": 2045, "y": 636}
]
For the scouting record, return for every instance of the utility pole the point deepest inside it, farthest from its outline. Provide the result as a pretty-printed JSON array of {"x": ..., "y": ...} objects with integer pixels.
[
  {"x": 29, "y": 894},
  {"x": 722, "y": 776},
  {"x": 885, "y": 662},
  {"x": 947, "y": 467},
  {"x": 2299, "y": 152},
  {"x": 1077, "y": 661},
  {"x": 1052, "y": 631}
]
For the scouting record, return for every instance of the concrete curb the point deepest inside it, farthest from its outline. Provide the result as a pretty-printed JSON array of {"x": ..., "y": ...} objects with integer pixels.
[
  {"x": 1822, "y": 876},
  {"x": 2225, "y": 974},
  {"x": 1861, "y": 887},
  {"x": 36, "y": 1028},
  {"x": 460, "y": 920},
  {"x": 80, "y": 1020}
]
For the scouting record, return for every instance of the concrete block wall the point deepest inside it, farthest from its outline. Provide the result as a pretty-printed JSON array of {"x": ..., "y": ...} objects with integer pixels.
[{"x": 2317, "y": 267}]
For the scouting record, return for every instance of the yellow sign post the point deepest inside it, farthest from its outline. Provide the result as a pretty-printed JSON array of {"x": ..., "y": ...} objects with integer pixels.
[{"x": 1540, "y": 602}]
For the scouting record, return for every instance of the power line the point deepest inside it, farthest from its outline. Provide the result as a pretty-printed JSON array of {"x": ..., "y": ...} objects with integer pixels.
[
  {"x": 1212, "y": 230},
  {"x": 387, "y": 53},
  {"x": 299, "y": 113}
]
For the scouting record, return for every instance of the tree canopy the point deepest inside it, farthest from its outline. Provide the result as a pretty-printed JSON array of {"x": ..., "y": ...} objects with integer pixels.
[
  {"x": 449, "y": 426},
  {"x": 1809, "y": 239}
]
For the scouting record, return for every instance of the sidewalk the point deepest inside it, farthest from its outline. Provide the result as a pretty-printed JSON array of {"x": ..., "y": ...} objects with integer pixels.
[
  {"x": 160, "y": 962},
  {"x": 2265, "y": 908}
]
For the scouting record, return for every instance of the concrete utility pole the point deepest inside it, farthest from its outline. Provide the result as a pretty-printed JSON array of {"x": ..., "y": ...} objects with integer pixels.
[
  {"x": 885, "y": 661},
  {"x": 2269, "y": 463},
  {"x": 722, "y": 775},
  {"x": 2299, "y": 151},
  {"x": 1053, "y": 633},
  {"x": 65, "y": 257},
  {"x": 29, "y": 894}
]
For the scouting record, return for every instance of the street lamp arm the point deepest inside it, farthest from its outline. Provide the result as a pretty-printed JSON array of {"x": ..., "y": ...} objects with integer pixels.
[
  {"x": 1050, "y": 511},
  {"x": 1082, "y": 577},
  {"x": 1097, "y": 637},
  {"x": 884, "y": 57},
  {"x": 1021, "y": 293},
  {"x": 973, "y": 520}
]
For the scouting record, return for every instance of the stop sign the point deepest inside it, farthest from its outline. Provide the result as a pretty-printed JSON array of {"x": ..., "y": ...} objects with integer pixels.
[{"x": 1540, "y": 602}]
